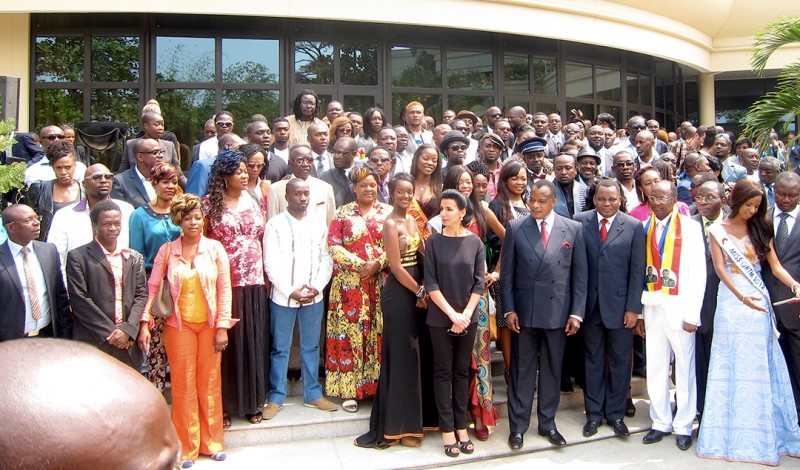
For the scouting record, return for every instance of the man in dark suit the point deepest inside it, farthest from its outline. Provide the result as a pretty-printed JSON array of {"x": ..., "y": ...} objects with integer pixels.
[
  {"x": 133, "y": 185},
  {"x": 31, "y": 287},
  {"x": 709, "y": 202},
  {"x": 107, "y": 288},
  {"x": 344, "y": 152},
  {"x": 615, "y": 255},
  {"x": 544, "y": 263},
  {"x": 787, "y": 247}
]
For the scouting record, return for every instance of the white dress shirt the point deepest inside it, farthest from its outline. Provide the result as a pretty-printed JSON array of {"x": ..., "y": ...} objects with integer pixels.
[
  {"x": 789, "y": 220},
  {"x": 41, "y": 286},
  {"x": 148, "y": 187},
  {"x": 321, "y": 206},
  {"x": 608, "y": 224},
  {"x": 209, "y": 148}
]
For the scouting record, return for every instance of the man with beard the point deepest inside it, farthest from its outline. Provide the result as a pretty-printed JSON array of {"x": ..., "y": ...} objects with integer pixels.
[
  {"x": 454, "y": 147},
  {"x": 624, "y": 168},
  {"x": 588, "y": 163}
]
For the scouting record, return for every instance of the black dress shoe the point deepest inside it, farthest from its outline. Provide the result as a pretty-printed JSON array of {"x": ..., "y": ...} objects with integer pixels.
[
  {"x": 590, "y": 428},
  {"x": 515, "y": 440},
  {"x": 683, "y": 442},
  {"x": 654, "y": 436},
  {"x": 619, "y": 427},
  {"x": 554, "y": 437},
  {"x": 630, "y": 409}
]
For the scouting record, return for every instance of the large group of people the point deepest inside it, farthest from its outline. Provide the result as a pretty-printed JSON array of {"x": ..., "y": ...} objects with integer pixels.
[{"x": 587, "y": 253}]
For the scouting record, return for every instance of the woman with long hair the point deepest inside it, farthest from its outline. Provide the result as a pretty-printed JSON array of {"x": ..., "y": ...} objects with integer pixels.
[
  {"x": 455, "y": 270},
  {"x": 305, "y": 109},
  {"x": 426, "y": 168},
  {"x": 235, "y": 219},
  {"x": 374, "y": 121},
  {"x": 150, "y": 227},
  {"x": 749, "y": 413},
  {"x": 355, "y": 321},
  {"x": 196, "y": 334}
]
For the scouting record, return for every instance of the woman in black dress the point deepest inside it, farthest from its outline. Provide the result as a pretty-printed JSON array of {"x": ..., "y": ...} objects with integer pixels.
[{"x": 455, "y": 270}]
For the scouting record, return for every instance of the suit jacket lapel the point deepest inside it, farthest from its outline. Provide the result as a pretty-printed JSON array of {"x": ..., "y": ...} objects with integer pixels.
[
  {"x": 557, "y": 234},
  {"x": 614, "y": 231},
  {"x": 7, "y": 260},
  {"x": 97, "y": 253},
  {"x": 137, "y": 183},
  {"x": 594, "y": 231},
  {"x": 531, "y": 230}
]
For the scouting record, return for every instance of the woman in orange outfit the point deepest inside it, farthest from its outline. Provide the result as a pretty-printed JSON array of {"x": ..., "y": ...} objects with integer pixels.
[{"x": 198, "y": 274}]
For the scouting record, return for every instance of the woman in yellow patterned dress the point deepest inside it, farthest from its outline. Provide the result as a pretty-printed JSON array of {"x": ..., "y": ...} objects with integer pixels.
[{"x": 355, "y": 324}]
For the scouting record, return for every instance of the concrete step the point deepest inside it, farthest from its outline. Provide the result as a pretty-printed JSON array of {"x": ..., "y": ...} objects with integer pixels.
[{"x": 296, "y": 422}]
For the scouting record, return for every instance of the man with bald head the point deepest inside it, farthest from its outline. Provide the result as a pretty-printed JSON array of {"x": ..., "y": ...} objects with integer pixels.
[
  {"x": 34, "y": 296},
  {"x": 72, "y": 227},
  {"x": 201, "y": 169},
  {"x": 152, "y": 128},
  {"x": 635, "y": 125},
  {"x": 209, "y": 131},
  {"x": 645, "y": 148},
  {"x": 768, "y": 170},
  {"x": 133, "y": 185},
  {"x": 516, "y": 117},
  {"x": 344, "y": 154},
  {"x": 100, "y": 413},
  {"x": 322, "y": 203}
]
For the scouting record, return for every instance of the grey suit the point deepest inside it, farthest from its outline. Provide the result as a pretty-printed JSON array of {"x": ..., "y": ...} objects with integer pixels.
[
  {"x": 616, "y": 277},
  {"x": 342, "y": 189},
  {"x": 170, "y": 156},
  {"x": 91, "y": 291},
  {"x": 788, "y": 321},
  {"x": 128, "y": 187},
  {"x": 554, "y": 281},
  {"x": 12, "y": 314}
]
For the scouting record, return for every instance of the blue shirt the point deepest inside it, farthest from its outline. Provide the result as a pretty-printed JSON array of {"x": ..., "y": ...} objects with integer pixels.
[
  {"x": 198, "y": 177},
  {"x": 148, "y": 231}
]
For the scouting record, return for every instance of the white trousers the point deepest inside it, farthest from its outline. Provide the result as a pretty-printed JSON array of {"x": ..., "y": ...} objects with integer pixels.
[{"x": 661, "y": 340}]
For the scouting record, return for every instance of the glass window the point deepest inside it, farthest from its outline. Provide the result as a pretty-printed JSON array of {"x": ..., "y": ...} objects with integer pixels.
[
  {"x": 359, "y": 63},
  {"x": 516, "y": 70},
  {"x": 59, "y": 59},
  {"x": 607, "y": 83},
  {"x": 612, "y": 110},
  {"x": 469, "y": 70},
  {"x": 645, "y": 85},
  {"x": 476, "y": 104},
  {"x": 57, "y": 106},
  {"x": 547, "y": 108},
  {"x": 185, "y": 112},
  {"x": 115, "y": 59},
  {"x": 323, "y": 104},
  {"x": 245, "y": 103},
  {"x": 579, "y": 80},
  {"x": 587, "y": 109},
  {"x": 250, "y": 60},
  {"x": 432, "y": 103},
  {"x": 313, "y": 62},
  {"x": 184, "y": 59},
  {"x": 545, "y": 78},
  {"x": 358, "y": 103},
  {"x": 633, "y": 88},
  {"x": 416, "y": 67},
  {"x": 116, "y": 105}
]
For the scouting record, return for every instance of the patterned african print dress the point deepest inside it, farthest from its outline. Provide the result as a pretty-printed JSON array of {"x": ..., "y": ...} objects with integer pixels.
[{"x": 355, "y": 322}]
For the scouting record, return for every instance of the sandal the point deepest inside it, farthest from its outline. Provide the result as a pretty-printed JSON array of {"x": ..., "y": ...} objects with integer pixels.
[
  {"x": 467, "y": 446},
  {"x": 452, "y": 450},
  {"x": 351, "y": 406},
  {"x": 255, "y": 418},
  {"x": 410, "y": 441},
  {"x": 226, "y": 420},
  {"x": 219, "y": 456},
  {"x": 187, "y": 463}
]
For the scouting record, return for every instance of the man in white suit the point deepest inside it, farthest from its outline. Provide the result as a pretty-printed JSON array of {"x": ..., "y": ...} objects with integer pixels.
[{"x": 671, "y": 313}]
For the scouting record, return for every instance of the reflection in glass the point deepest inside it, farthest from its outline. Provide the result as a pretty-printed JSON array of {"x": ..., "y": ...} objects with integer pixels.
[
  {"x": 432, "y": 103},
  {"x": 547, "y": 108},
  {"x": 607, "y": 83},
  {"x": 185, "y": 112},
  {"x": 579, "y": 80},
  {"x": 645, "y": 85},
  {"x": 358, "y": 103},
  {"x": 359, "y": 63},
  {"x": 416, "y": 67},
  {"x": 245, "y": 103},
  {"x": 116, "y": 105},
  {"x": 184, "y": 59},
  {"x": 632, "y": 83},
  {"x": 250, "y": 60},
  {"x": 545, "y": 79},
  {"x": 313, "y": 62},
  {"x": 476, "y": 104},
  {"x": 323, "y": 105},
  {"x": 516, "y": 72},
  {"x": 115, "y": 59},
  {"x": 469, "y": 70},
  {"x": 59, "y": 59},
  {"x": 587, "y": 109},
  {"x": 57, "y": 106},
  {"x": 612, "y": 110}
]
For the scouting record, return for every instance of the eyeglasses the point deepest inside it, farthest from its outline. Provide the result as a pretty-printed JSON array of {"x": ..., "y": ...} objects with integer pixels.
[
  {"x": 494, "y": 115},
  {"x": 637, "y": 126},
  {"x": 224, "y": 123},
  {"x": 37, "y": 218},
  {"x": 53, "y": 137},
  {"x": 301, "y": 160},
  {"x": 624, "y": 164},
  {"x": 102, "y": 176},
  {"x": 661, "y": 200},
  {"x": 705, "y": 199},
  {"x": 337, "y": 153},
  {"x": 461, "y": 129},
  {"x": 456, "y": 147},
  {"x": 380, "y": 160},
  {"x": 154, "y": 152},
  {"x": 255, "y": 166}
]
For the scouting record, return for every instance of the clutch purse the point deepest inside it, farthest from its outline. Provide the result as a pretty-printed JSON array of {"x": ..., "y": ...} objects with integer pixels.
[{"x": 163, "y": 306}]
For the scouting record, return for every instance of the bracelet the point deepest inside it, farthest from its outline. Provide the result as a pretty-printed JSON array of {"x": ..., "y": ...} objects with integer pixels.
[{"x": 421, "y": 292}]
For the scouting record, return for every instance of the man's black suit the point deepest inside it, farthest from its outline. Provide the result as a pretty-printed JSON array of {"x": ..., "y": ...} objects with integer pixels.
[
  {"x": 128, "y": 187},
  {"x": 616, "y": 277},
  {"x": 91, "y": 291},
  {"x": 342, "y": 189},
  {"x": 788, "y": 315},
  {"x": 12, "y": 314},
  {"x": 544, "y": 288},
  {"x": 705, "y": 332}
]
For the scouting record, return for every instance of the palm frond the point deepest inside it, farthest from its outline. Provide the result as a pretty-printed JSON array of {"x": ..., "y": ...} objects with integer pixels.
[
  {"x": 773, "y": 107},
  {"x": 774, "y": 35}
]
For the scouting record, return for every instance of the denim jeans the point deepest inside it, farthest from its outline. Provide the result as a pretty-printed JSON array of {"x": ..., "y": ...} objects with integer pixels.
[{"x": 281, "y": 325}]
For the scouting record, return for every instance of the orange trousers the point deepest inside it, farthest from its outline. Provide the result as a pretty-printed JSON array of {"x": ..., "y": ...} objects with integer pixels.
[{"x": 196, "y": 388}]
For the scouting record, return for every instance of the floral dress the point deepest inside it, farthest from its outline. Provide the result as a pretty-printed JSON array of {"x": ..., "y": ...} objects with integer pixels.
[{"x": 355, "y": 322}]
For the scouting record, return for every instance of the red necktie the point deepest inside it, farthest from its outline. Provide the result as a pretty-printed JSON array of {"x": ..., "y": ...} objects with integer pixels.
[
  {"x": 545, "y": 234},
  {"x": 603, "y": 230}
]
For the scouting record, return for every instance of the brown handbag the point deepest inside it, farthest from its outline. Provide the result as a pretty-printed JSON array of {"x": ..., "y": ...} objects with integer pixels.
[{"x": 163, "y": 306}]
